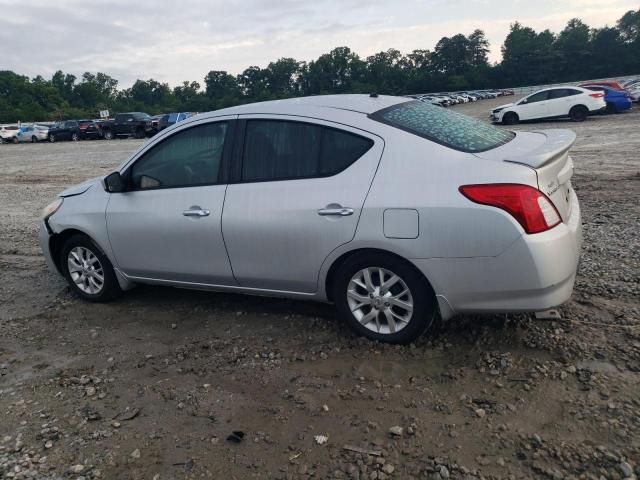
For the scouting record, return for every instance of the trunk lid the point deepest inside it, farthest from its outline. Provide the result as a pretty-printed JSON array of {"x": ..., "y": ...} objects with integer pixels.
[{"x": 546, "y": 152}]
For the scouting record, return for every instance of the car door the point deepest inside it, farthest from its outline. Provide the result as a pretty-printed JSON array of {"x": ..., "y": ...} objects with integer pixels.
[
  {"x": 534, "y": 106},
  {"x": 167, "y": 225},
  {"x": 560, "y": 101},
  {"x": 300, "y": 189}
]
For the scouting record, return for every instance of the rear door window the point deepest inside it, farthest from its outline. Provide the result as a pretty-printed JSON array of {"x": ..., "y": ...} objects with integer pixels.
[
  {"x": 287, "y": 150},
  {"x": 442, "y": 126},
  {"x": 562, "y": 92},
  {"x": 538, "y": 97}
]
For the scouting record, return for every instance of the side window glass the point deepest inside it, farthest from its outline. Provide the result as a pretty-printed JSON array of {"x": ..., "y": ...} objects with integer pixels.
[
  {"x": 538, "y": 97},
  {"x": 340, "y": 149},
  {"x": 279, "y": 150},
  {"x": 188, "y": 158},
  {"x": 560, "y": 93}
]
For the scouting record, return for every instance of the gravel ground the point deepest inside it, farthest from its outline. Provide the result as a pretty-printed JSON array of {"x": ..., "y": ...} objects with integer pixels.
[{"x": 153, "y": 385}]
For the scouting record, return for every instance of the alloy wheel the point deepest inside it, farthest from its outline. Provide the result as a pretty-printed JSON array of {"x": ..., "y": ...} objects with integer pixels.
[
  {"x": 380, "y": 300},
  {"x": 85, "y": 270}
]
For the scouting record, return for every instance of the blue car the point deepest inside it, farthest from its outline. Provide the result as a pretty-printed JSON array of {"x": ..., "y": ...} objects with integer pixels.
[{"x": 617, "y": 100}]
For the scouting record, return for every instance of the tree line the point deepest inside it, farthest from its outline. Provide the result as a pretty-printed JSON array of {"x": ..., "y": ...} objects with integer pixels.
[{"x": 456, "y": 63}]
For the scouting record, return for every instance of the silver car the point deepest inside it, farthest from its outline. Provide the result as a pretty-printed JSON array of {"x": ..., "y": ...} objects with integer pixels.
[{"x": 395, "y": 210}]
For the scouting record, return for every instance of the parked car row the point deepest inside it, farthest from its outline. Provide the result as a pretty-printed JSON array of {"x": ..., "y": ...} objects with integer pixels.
[
  {"x": 446, "y": 99},
  {"x": 129, "y": 124}
]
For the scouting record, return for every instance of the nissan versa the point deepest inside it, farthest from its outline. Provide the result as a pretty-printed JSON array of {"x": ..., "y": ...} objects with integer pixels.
[{"x": 394, "y": 209}]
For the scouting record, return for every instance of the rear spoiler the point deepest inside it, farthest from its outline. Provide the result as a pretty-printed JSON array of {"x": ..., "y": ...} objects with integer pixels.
[{"x": 559, "y": 141}]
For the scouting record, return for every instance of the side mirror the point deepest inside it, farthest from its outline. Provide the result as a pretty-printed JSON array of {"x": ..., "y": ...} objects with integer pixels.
[{"x": 115, "y": 183}]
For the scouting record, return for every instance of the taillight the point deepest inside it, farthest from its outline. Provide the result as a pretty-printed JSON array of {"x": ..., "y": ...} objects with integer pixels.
[
  {"x": 529, "y": 206},
  {"x": 596, "y": 95}
]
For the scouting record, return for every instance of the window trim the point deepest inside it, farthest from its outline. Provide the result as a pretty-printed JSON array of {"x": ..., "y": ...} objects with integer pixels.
[
  {"x": 239, "y": 147},
  {"x": 378, "y": 117},
  {"x": 223, "y": 174}
]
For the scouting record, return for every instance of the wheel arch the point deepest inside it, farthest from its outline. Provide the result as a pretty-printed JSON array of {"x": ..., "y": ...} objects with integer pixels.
[{"x": 330, "y": 277}]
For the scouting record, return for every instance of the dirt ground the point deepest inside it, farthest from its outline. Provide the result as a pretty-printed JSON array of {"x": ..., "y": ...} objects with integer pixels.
[{"x": 151, "y": 386}]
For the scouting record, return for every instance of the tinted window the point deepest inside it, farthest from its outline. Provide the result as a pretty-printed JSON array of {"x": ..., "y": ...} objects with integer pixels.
[
  {"x": 562, "y": 92},
  {"x": 340, "y": 149},
  {"x": 188, "y": 158},
  {"x": 444, "y": 126},
  {"x": 280, "y": 150},
  {"x": 538, "y": 97}
]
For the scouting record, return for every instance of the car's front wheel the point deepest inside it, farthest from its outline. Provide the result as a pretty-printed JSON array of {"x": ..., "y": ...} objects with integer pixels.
[
  {"x": 88, "y": 271},
  {"x": 383, "y": 298},
  {"x": 75, "y": 137},
  {"x": 510, "y": 118},
  {"x": 108, "y": 135}
]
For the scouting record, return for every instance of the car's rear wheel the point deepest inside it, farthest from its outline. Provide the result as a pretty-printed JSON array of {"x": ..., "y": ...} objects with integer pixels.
[
  {"x": 52, "y": 138},
  {"x": 611, "y": 108},
  {"x": 75, "y": 137},
  {"x": 34, "y": 139},
  {"x": 15, "y": 140},
  {"x": 578, "y": 113},
  {"x": 108, "y": 135},
  {"x": 510, "y": 118},
  {"x": 88, "y": 271},
  {"x": 139, "y": 133},
  {"x": 383, "y": 298}
]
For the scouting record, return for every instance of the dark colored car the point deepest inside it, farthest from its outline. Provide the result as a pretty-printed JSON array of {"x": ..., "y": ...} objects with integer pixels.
[
  {"x": 617, "y": 100},
  {"x": 130, "y": 124},
  {"x": 74, "y": 130},
  {"x": 172, "y": 118}
]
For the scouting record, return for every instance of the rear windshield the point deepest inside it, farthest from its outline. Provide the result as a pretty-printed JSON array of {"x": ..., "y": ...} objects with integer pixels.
[{"x": 443, "y": 126}]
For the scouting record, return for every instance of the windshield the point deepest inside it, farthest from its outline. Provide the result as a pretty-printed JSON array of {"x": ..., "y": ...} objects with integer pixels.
[{"x": 443, "y": 126}]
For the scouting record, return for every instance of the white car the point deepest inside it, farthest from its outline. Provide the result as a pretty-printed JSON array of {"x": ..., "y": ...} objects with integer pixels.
[
  {"x": 8, "y": 133},
  {"x": 33, "y": 134},
  {"x": 574, "y": 102}
]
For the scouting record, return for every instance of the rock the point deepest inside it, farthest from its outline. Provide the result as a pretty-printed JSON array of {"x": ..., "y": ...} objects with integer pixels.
[
  {"x": 626, "y": 469},
  {"x": 90, "y": 391},
  {"x": 396, "y": 431},
  {"x": 48, "y": 444},
  {"x": 321, "y": 439},
  {"x": 77, "y": 468},
  {"x": 480, "y": 412},
  {"x": 571, "y": 369},
  {"x": 135, "y": 453},
  {"x": 174, "y": 326},
  {"x": 388, "y": 468}
]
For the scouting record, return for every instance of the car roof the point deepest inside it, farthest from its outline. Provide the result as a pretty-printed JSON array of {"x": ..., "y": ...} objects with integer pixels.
[{"x": 365, "y": 104}]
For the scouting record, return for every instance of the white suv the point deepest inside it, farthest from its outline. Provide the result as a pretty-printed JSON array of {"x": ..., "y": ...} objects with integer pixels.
[
  {"x": 8, "y": 133},
  {"x": 573, "y": 102}
]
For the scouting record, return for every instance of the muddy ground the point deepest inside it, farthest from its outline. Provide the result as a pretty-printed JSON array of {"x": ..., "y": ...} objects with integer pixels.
[{"x": 151, "y": 386}]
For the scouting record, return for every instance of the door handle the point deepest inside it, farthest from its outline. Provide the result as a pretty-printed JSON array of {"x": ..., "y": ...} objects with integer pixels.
[
  {"x": 196, "y": 212},
  {"x": 338, "y": 211}
]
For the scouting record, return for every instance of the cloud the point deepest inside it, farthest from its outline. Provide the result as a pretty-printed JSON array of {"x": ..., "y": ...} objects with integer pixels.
[{"x": 174, "y": 41}]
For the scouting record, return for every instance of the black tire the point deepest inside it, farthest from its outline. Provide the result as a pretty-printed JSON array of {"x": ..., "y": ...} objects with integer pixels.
[
  {"x": 75, "y": 137},
  {"x": 139, "y": 133},
  {"x": 611, "y": 108},
  {"x": 14, "y": 140},
  {"x": 578, "y": 113},
  {"x": 34, "y": 139},
  {"x": 510, "y": 118},
  {"x": 52, "y": 138},
  {"x": 108, "y": 135},
  {"x": 110, "y": 288},
  {"x": 424, "y": 302}
]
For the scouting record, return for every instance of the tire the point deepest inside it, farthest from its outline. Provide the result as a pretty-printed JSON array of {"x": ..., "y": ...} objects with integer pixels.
[
  {"x": 578, "y": 113},
  {"x": 139, "y": 134},
  {"x": 611, "y": 108},
  {"x": 367, "y": 310},
  {"x": 52, "y": 138},
  {"x": 14, "y": 140},
  {"x": 510, "y": 118},
  {"x": 108, "y": 135},
  {"x": 89, "y": 267},
  {"x": 34, "y": 139},
  {"x": 75, "y": 137}
]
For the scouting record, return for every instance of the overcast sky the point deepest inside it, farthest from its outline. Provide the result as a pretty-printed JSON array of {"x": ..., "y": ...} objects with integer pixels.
[{"x": 181, "y": 40}]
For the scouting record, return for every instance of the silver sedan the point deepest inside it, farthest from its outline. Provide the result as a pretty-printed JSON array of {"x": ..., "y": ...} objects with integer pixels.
[{"x": 395, "y": 210}]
